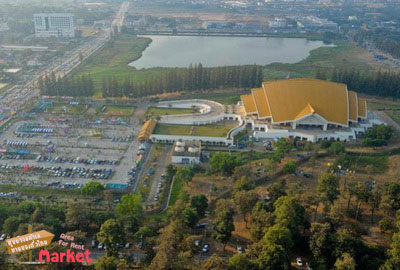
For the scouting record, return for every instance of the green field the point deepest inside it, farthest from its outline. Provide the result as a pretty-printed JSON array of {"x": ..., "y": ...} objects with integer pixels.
[
  {"x": 392, "y": 108},
  {"x": 113, "y": 60},
  {"x": 343, "y": 55},
  {"x": 176, "y": 190},
  {"x": 67, "y": 109},
  {"x": 156, "y": 111},
  {"x": 39, "y": 191},
  {"x": 186, "y": 130},
  {"x": 212, "y": 130},
  {"x": 171, "y": 129},
  {"x": 115, "y": 110}
]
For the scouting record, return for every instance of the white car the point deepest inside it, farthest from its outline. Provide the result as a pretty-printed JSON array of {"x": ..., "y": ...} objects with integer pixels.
[
  {"x": 3, "y": 237},
  {"x": 299, "y": 261}
]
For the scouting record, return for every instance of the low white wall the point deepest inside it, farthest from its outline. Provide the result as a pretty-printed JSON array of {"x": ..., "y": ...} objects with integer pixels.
[
  {"x": 205, "y": 140},
  {"x": 197, "y": 119}
]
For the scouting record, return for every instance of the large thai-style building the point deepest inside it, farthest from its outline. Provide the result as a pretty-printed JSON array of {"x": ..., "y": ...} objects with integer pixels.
[{"x": 307, "y": 109}]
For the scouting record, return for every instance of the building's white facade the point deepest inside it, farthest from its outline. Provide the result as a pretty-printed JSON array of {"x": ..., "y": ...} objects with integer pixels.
[
  {"x": 54, "y": 25},
  {"x": 186, "y": 152}
]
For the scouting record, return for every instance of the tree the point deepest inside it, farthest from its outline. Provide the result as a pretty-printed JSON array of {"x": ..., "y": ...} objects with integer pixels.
[
  {"x": 336, "y": 148},
  {"x": 289, "y": 213},
  {"x": 3, "y": 254},
  {"x": 277, "y": 190},
  {"x": 190, "y": 216},
  {"x": 223, "y": 163},
  {"x": 260, "y": 219},
  {"x": 11, "y": 224},
  {"x": 37, "y": 216},
  {"x": 242, "y": 184},
  {"x": 92, "y": 188},
  {"x": 242, "y": 171},
  {"x": 130, "y": 211},
  {"x": 290, "y": 167},
  {"x": 200, "y": 203},
  {"x": 123, "y": 265},
  {"x": 170, "y": 239},
  {"x": 245, "y": 201},
  {"x": 170, "y": 171},
  {"x": 223, "y": 226},
  {"x": 321, "y": 243},
  {"x": 282, "y": 145},
  {"x": 328, "y": 187},
  {"x": 106, "y": 263},
  {"x": 240, "y": 261},
  {"x": 272, "y": 257},
  {"x": 278, "y": 235},
  {"x": 391, "y": 195},
  {"x": 184, "y": 174},
  {"x": 215, "y": 263},
  {"x": 110, "y": 235},
  {"x": 144, "y": 232},
  {"x": 345, "y": 262},
  {"x": 77, "y": 216}
]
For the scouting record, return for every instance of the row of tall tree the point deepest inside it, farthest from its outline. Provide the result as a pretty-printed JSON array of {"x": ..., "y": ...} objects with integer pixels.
[
  {"x": 80, "y": 86},
  {"x": 193, "y": 78},
  {"x": 381, "y": 83}
]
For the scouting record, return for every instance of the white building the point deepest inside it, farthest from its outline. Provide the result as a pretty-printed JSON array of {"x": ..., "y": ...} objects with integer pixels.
[
  {"x": 54, "y": 25},
  {"x": 186, "y": 152},
  {"x": 306, "y": 109}
]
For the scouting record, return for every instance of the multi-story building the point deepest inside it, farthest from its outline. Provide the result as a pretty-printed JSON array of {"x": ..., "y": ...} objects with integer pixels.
[{"x": 54, "y": 25}]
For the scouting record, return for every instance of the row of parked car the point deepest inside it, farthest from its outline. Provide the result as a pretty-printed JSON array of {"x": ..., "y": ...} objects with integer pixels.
[
  {"x": 120, "y": 139},
  {"x": 77, "y": 160},
  {"x": 16, "y": 143},
  {"x": 9, "y": 194},
  {"x": 62, "y": 172}
]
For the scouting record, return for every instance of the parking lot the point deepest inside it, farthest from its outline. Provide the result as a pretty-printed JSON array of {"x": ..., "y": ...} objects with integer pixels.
[{"x": 69, "y": 151}]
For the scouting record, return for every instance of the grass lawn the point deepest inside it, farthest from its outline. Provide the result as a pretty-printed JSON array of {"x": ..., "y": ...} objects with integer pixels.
[
  {"x": 115, "y": 110},
  {"x": 113, "y": 59},
  {"x": 212, "y": 130},
  {"x": 156, "y": 111},
  {"x": 395, "y": 115},
  {"x": 387, "y": 105},
  {"x": 172, "y": 129},
  {"x": 176, "y": 190},
  {"x": 39, "y": 191},
  {"x": 203, "y": 130},
  {"x": 382, "y": 104},
  {"x": 343, "y": 55},
  {"x": 67, "y": 109}
]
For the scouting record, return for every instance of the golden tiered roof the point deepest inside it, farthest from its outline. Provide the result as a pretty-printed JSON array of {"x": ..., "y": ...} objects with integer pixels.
[
  {"x": 362, "y": 108},
  {"x": 147, "y": 130},
  {"x": 248, "y": 103},
  {"x": 353, "y": 106},
  {"x": 292, "y": 99},
  {"x": 261, "y": 102}
]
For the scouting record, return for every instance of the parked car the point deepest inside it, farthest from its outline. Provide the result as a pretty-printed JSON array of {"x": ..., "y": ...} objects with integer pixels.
[
  {"x": 240, "y": 249},
  {"x": 100, "y": 246},
  {"x": 128, "y": 245},
  {"x": 3, "y": 237},
  {"x": 299, "y": 262},
  {"x": 94, "y": 244},
  {"x": 206, "y": 248}
]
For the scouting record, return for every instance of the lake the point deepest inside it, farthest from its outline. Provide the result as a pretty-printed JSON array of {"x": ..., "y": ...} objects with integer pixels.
[{"x": 181, "y": 51}]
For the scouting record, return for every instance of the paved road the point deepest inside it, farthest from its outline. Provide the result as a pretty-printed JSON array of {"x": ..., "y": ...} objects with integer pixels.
[
  {"x": 19, "y": 95},
  {"x": 163, "y": 162}
]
